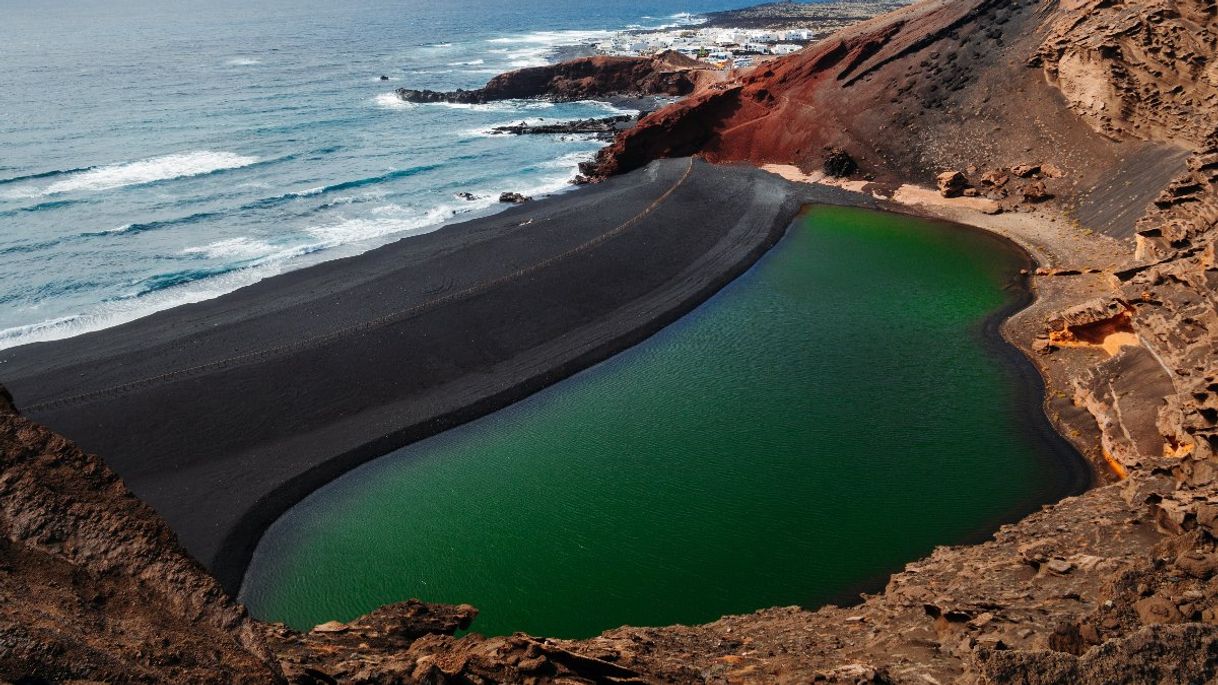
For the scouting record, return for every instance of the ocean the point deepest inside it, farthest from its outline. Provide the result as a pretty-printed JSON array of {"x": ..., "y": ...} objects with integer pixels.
[{"x": 154, "y": 154}]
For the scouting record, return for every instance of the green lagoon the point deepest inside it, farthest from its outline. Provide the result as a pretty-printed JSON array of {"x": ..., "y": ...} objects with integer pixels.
[{"x": 836, "y": 412}]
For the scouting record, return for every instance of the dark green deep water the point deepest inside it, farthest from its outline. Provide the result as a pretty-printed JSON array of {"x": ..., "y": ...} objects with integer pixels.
[{"x": 826, "y": 418}]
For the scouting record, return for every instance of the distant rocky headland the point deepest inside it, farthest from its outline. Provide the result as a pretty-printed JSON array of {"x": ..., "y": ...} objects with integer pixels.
[
  {"x": 584, "y": 78},
  {"x": 823, "y": 17},
  {"x": 1083, "y": 130}
]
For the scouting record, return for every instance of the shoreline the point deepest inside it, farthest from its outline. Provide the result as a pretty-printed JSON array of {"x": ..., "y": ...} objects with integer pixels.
[
  {"x": 1053, "y": 246},
  {"x": 227, "y": 552},
  {"x": 1076, "y": 473},
  {"x": 1060, "y": 469},
  {"x": 257, "y": 404}
]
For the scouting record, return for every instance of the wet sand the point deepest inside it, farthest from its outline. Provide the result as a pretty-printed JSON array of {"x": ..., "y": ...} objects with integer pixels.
[{"x": 225, "y": 413}]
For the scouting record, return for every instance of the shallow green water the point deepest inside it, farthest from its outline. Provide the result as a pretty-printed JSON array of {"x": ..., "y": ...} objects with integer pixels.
[{"x": 829, "y": 416}]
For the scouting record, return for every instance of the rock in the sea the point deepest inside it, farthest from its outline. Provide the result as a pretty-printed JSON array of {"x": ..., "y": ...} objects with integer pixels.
[
  {"x": 604, "y": 128},
  {"x": 839, "y": 164},
  {"x": 467, "y": 196},
  {"x": 384, "y": 77},
  {"x": 514, "y": 198},
  {"x": 951, "y": 183}
]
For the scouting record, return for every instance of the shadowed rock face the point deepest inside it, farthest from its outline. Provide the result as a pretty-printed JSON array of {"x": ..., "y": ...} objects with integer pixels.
[
  {"x": 94, "y": 583},
  {"x": 668, "y": 73}
]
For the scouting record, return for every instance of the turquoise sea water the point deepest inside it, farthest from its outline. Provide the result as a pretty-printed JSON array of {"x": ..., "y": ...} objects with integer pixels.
[
  {"x": 160, "y": 152},
  {"x": 829, "y": 416}
]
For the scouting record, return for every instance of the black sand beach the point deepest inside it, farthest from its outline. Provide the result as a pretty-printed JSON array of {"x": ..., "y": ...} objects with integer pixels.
[{"x": 225, "y": 413}]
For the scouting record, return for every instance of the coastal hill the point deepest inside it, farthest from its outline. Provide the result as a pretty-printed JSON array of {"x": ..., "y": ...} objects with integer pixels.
[{"x": 1084, "y": 129}]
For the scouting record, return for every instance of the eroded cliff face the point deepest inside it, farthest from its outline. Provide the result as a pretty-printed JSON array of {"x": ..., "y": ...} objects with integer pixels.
[{"x": 94, "y": 584}]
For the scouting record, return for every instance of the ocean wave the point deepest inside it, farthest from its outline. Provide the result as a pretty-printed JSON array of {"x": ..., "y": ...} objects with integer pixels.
[
  {"x": 497, "y": 106},
  {"x": 567, "y": 37},
  {"x": 40, "y": 207},
  {"x": 164, "y": 168},
  {"x": 243, "y": 62},
  {"x": 23, "y": 248},
  {"x": 143, "y": 227},
  {"x": 122, "y": 310},
  {"x": 471, "y": 63},
  {"x": 42, "y": 175},
  {"x": 338, "y": 187},
  {"x": 391, "y": 101}
]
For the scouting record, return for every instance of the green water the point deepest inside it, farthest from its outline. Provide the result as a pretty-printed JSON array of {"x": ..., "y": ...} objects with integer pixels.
[{"x": 828, "y": 417}]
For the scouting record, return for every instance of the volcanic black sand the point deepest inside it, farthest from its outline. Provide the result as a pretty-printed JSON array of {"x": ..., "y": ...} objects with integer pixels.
[{"x": 225, "y": 413}]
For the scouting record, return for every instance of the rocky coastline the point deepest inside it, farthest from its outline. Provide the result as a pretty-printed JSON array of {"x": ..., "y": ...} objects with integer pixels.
[
  {"x": 604, "y": 128},
  {"x": 944, "y": 109},
  {"x": 583, "y": 78}
]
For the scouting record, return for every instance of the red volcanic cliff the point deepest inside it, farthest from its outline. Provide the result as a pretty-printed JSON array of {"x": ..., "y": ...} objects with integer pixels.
[{"x": 947, "y": 84}]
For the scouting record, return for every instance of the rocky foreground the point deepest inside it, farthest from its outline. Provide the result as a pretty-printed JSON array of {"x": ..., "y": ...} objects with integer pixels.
[{"x": 1115, "y": 104}]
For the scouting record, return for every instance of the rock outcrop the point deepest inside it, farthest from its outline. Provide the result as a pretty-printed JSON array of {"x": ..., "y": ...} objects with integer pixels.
[
  {"x": 94, "y": 584},
  {"x": 585, "y": 78},
  {"x": 604, "y": 128}
]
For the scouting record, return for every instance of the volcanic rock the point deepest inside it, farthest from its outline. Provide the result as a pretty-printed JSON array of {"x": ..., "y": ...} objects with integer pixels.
[
  {"x": 951, "y": 183},
  {"x": 1035, "y": 191},
  {"x": 668, "y": 73},
  {"x": 839, "y": 164},
  {"x": 1026, "y": 170},
  {"x": 604, "y": 128},
  {"x": 514, "y": 198}
]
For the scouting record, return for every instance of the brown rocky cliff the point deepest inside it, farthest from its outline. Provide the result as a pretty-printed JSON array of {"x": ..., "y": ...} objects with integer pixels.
[
  {"x": 94, "y": 584},
  {"x": 667, "y": 73}
]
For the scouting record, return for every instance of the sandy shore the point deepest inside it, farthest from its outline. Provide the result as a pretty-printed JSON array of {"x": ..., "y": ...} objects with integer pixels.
[{"x": 225, "y": 413}]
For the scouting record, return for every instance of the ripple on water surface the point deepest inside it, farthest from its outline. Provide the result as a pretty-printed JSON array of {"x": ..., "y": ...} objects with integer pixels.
[{"x": 829, "y": 416}]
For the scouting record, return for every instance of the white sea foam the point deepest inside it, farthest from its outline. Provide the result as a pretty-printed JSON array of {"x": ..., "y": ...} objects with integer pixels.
[
  {"x": 233, "y": 248},
  {"x": 471, "y": 63},
  {"x": 243, "y": 62},
  {"x": 117, "y": 312},
  {"x": 499, "y": 105},
  {"x": 149, "y": 170},
  {"x": 391, "y": 101}
]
